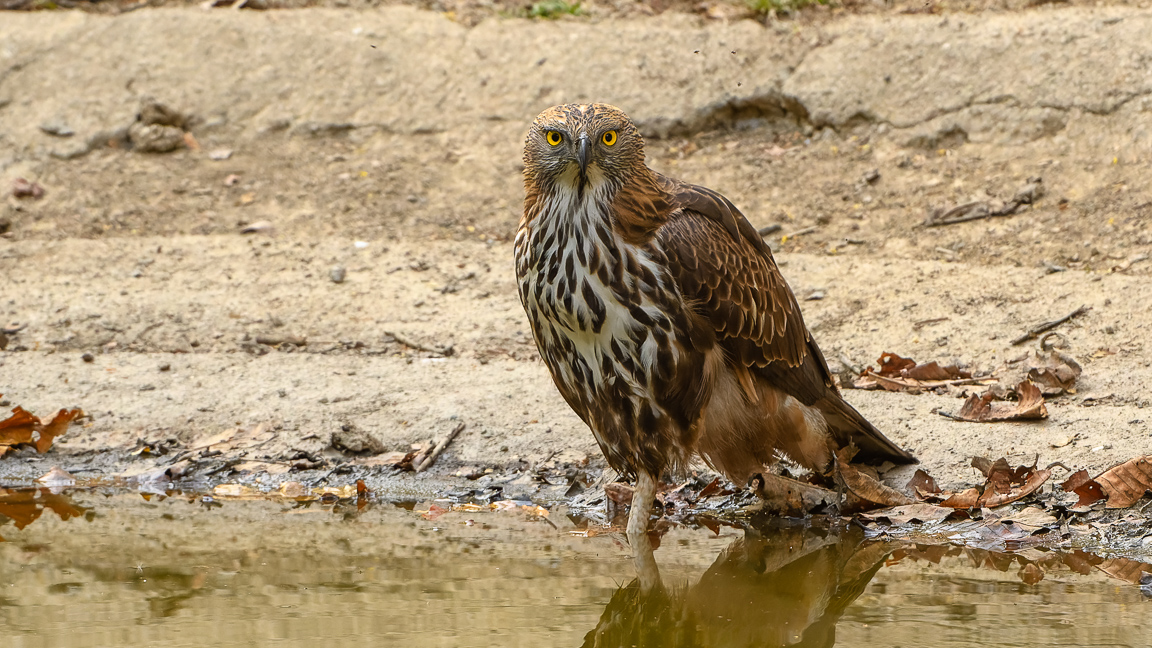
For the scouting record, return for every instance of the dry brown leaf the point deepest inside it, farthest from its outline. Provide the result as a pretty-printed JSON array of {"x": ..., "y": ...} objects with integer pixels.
[
  {"x": 1087, "y": 488},
  {"x": 922, "y": 484},
  {"x": 1034, "y": 481},
  {"x": 1055, "y": 373},
  {"x": 18, "y": 428},
  {"x": 897, "y": 373},
  {"x": 892, "y": 365},
  {"x": 933, "y": 371},
  {"x": 865, "y": 487},
  {"x": 1126, "y": 484},
  {"x": 1003, "y": 484},
  {"x": 963, "y": 500},
  {"x": 58, "y": 426},
  {"x": 24, "y": 428},
  {"x": 981, "y": 409}
]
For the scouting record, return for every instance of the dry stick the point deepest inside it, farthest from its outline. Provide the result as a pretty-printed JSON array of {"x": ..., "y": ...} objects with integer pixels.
[
  {"x": 927, "y": 384},
  {"x": 440, "y": 448},
  {"x": 979, "y": 210},
  {"x": 806, "y": 230},
  {"x": 1048, "y": 326},
  {"x": 949, "y": 415},
  {"x": 444, "y": 351},
  {"x": 922, "y": 323}
]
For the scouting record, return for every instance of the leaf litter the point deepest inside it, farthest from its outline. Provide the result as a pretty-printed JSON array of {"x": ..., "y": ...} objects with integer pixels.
[
  {"x": 1048, "y": 372},
  {"x": 897, "y": 373},
  {"x": 1121, "y": 485},
  {"x": 982, "y": 409},
  {"x": 24, "y": 429}
]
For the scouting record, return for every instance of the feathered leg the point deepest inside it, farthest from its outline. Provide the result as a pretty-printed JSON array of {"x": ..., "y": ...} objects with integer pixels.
[{"x": 642, "y": 498}]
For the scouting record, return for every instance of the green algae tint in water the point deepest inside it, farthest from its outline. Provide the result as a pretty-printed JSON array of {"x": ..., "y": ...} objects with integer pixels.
[{"x": 122, "y": 571}]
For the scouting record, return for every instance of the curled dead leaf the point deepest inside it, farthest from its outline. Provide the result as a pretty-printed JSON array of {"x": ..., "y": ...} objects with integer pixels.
[
  {"x": 865, "y": 487},
  {"x": 897, "y": 373},
  {"x": 982, "y": 409},
  {"x": 1087, "y": 488},
  {"x": 1003, "y": 485},
  {"x": 965, "y": 499},
  {"x": 1054, "y": 373},
  {"x": 922, "y": 484},
  {"x": 1126, "y": 484},
  {"x": 24, "y": 428}
]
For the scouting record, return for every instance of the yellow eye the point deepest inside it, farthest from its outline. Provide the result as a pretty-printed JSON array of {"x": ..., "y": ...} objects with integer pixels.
[
  {"x": 609, "y": 138},
  {"x": 553, "y": 138}
]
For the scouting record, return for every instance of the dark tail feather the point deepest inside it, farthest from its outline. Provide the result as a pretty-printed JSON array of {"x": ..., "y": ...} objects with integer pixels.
[{"x": 848, "y": 426}]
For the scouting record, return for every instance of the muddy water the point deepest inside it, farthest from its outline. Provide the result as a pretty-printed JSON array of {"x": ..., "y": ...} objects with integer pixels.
[{"x": 116, "y": 569}]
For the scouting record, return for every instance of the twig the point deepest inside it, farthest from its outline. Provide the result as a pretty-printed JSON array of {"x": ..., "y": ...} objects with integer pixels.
[
  {"x": 922, "y": 323},
  {"x": 949, "y": 416},
  {"x": 960, "y": 214},
  {"x": 444, "y": 351},
  {"x": 806, "y": 230},
  {"x": 1048, "y": 326},
  {"x": 1032, "y": 191},
  {"x": 927, "y": 384},
  {"x": 440, "y": 448}
]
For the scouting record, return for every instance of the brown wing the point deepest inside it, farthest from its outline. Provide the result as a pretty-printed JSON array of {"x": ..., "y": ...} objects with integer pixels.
[{"x": 723, "y": 265}]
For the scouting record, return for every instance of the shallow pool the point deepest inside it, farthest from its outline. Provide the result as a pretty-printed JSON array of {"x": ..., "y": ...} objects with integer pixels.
[{"x": 95, "y": 568}]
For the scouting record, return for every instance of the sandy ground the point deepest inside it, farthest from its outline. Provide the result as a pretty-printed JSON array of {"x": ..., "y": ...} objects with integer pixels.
[{"x": 385, "y": 141}]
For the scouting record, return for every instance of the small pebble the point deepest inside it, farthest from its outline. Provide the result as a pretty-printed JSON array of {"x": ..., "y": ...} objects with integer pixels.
[
  {"x": 57, "y": 128},
  {"x": 87, "y": 357},
  {"x": 165, "y": 367},
  {"x": 220, "y": 154},
  {"x": 337, "y": 274}
]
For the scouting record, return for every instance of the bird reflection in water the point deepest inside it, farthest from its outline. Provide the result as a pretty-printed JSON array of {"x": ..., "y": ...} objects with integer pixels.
[{"x": 778, "y": 587}]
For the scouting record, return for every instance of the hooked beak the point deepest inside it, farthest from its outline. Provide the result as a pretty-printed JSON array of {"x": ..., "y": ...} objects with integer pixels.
[{"x": 582, "y": 154}]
